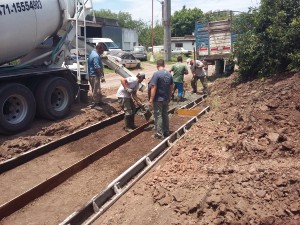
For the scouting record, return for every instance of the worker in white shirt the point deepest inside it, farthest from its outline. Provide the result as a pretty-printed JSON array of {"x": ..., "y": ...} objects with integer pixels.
[
  {"x": 127, "y": 94},
  {"x": 199, "y": 73}
]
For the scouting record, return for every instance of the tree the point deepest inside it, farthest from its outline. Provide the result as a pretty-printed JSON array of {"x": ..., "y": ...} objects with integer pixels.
[
  {"x": 183, "y": 21},
  {"x": 244, "y": 22},
  {"x": 273, "y": 45},
  {"x": 215, "y": 16},
  {"x": 103, "y": 13},
  {"x": 124, "y": 19},
  {"x": 145, "y": 37}
]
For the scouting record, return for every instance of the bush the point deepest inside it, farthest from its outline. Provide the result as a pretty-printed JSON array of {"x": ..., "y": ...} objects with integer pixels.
[
  {"x": 295, "y": 61},
  {"x": 272, "y": 44}
]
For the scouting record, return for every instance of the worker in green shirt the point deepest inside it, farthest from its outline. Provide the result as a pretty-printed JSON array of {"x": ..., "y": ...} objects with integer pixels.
[{"x": 179, "y": 70}]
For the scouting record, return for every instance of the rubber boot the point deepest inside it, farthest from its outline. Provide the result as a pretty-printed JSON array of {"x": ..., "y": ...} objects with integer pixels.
[
  {"x": 132, "y": 125},
  {"x": 127, "y": 121},
  {"x": 194, "y": 84},
  {"x": 176, "y": 99}
]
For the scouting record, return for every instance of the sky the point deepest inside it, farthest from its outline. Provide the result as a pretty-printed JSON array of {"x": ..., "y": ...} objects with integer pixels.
[{"x": 142, "y": 9}]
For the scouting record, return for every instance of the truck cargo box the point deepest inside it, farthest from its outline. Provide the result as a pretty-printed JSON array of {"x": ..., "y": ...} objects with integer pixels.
[{"x": 214, "y": 40}]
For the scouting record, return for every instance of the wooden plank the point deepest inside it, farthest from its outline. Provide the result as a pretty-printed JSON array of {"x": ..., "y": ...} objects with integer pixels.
[{"x": 188, "y": 112}]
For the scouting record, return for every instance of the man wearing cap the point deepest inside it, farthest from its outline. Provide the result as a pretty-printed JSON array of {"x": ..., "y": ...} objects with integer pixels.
[
  {"x": 179, "y": 70},
  {"x": 126, "y": 93},
  {"x": 197, "y": 69}
]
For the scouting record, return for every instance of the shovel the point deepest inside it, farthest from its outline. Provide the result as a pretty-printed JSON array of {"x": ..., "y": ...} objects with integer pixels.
[{"x": 144, "y": 111}]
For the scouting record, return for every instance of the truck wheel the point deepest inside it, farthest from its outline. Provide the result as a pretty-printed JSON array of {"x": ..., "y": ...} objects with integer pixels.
[
  {"x": 17, "y": 108},
  {"x": 54, "y": 98}
]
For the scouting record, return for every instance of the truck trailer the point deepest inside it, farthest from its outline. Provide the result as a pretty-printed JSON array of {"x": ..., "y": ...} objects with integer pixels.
[{"x": 215, "y": 42}]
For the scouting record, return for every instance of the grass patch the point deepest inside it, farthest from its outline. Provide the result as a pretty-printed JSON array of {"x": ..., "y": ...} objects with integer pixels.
[
  {"x": 107, "y": 70},
  {"x": 160, "y": 55},
  {"x": 15, "y": 62}
]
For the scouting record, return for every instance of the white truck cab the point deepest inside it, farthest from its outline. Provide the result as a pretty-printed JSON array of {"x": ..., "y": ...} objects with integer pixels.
[{"x": 110, "y": 44}]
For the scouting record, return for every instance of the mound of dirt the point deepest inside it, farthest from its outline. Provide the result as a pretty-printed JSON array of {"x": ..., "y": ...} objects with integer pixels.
[{"x": 239, "y": 164}]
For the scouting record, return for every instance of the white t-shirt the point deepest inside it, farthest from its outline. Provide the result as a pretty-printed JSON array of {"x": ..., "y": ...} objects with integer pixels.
[
  {"x": 132, "y": 83},
  {"x": 199, "y": 69}
]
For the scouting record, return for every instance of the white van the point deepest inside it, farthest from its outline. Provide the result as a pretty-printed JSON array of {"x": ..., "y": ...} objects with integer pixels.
[
  {"x": 158, "y": 48},
  {"x": 110, "y": 44}
]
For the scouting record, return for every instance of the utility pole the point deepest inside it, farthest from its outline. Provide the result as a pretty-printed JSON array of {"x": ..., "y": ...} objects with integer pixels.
[
  {"x": 152, "y": 38},
  {"x": 167, "y": 29},
  {"x": 162, "y": 10}
]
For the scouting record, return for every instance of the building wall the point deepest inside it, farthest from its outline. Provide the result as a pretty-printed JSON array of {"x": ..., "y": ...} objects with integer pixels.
[
  {"x": 109, "y": 28},
  {"x": 114, "y": 33},
  {"x": 188, "y": 45},
  {"x": 130, "y": 39},
  {"x": 92, "y": 32}
]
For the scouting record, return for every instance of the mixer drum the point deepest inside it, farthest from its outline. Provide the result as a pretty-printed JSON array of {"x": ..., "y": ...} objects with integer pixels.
[{"x": 25, "y": 24}]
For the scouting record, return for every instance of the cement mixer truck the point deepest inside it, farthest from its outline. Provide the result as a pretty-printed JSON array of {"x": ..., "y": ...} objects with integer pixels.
[{"x": 36, "y": 39}]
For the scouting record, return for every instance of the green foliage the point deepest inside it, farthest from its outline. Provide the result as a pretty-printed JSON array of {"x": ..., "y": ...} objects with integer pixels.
[
  {"x": 215, "y": 16},
  {"x": 145, "y": 36},
  {"x": 183, "y": 21},
  {"x": 124, "y": 19},
  {"x": 295, "y": 61},
  {"x": 243, "y": 22},
  {"x": 248, "y": 54},
  {"x": 103, "y": 13},
  {"x": 271, "y": 42},
  {"x": 14, "y": 62},
  {"x": 107, "y": 70}
]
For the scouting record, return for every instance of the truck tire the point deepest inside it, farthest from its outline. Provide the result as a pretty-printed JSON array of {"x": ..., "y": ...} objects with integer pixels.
[
  {"x": 54, "y": 98},
  {"x": 17, "y": 108}
]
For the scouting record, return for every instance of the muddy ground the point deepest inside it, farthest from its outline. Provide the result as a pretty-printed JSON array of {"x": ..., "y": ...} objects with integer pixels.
[{"x": 239, "y": 164}]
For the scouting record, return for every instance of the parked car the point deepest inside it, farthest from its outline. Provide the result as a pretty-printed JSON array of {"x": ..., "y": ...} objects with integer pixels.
[
  {"x": 126, "y": 59},
  {"x": 180, "y": 50},
  {"x": 140, "y": 53}
]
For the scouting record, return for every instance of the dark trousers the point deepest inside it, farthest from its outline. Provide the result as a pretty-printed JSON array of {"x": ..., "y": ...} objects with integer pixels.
[
  {"x": 203, "y": 80},
  {"x": 161, "y": 117}
]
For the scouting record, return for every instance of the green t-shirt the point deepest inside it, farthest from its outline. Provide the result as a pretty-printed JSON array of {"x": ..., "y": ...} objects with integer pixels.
[{"x": 179, "y": 69}]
